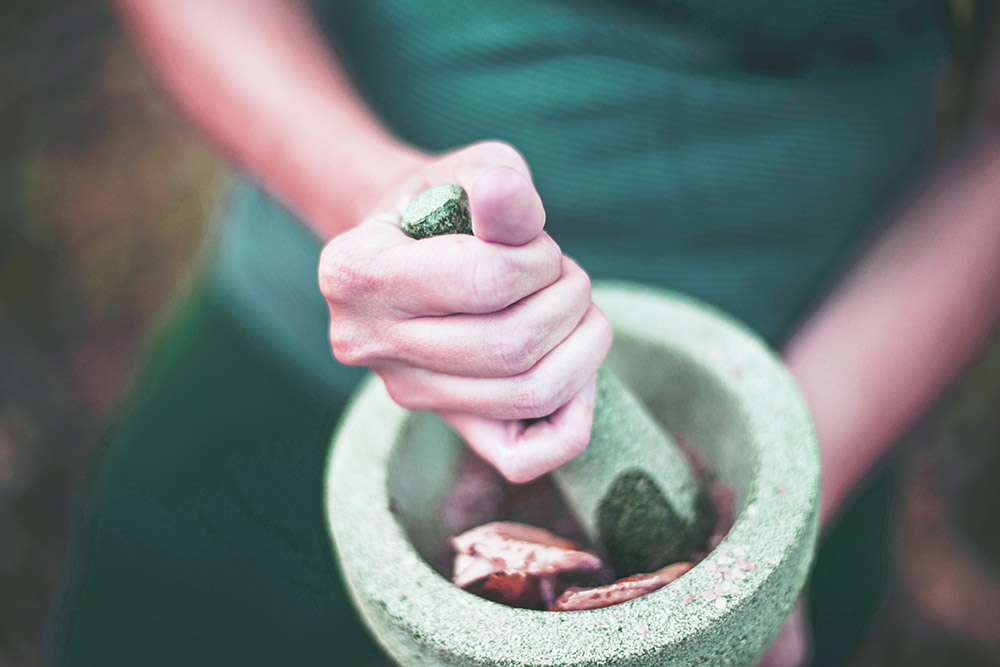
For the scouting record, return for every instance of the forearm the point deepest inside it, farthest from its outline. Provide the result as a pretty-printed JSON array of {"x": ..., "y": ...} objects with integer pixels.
[
  {"x": 256, "y": 76},
  {"x": 907, "y": 319}
]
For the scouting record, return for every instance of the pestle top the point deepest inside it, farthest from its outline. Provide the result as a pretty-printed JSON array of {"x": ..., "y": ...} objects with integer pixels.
[{"x": 443, "y": 209}]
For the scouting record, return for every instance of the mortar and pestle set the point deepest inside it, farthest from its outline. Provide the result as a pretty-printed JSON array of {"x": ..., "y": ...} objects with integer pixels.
[{"x": 678, "y": 370}]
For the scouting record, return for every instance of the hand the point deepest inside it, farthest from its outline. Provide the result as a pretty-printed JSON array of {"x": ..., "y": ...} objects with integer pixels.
[
  {"x": 791, "y": 647},
  {"x": 486, "y": 331}
]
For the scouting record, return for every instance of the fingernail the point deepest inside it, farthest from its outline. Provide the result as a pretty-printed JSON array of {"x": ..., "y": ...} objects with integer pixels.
[
  {"x": 499, "y": 182},
  {"x": 589, "y": 392}
]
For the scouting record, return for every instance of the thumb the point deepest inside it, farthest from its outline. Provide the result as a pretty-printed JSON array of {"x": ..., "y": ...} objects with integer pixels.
[
  {"x": 505, "y": 207},
  {"x": 503, "y": 202}
]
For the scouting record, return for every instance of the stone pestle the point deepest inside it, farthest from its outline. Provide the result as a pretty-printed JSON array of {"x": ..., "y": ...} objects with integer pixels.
[{"x": 632, "y": 489}]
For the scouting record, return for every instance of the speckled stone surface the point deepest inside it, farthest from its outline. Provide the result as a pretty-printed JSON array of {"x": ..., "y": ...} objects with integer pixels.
[
  {"x": 632, "y": 489},
  {"x": 711, "y": 384},
  {"x": 443, "y": 209}
]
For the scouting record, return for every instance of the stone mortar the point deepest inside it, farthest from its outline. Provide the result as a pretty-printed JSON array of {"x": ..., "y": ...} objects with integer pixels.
[{"x": 715, "y": 387}]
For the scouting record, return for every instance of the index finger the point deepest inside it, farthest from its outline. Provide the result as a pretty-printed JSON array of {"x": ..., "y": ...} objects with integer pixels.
[{"x": 458, "y": 273}]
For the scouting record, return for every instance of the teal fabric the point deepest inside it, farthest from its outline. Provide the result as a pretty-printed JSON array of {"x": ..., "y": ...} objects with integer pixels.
[
  {"x": 202, "y": 539},
  {"x": 734, "y": 151}
]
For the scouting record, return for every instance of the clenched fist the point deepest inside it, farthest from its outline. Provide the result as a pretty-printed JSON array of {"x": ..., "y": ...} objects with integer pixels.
[{"x": 486, "y": 330}]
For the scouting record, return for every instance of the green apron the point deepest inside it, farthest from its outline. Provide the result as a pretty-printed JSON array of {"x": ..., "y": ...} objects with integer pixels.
[{"x": 737, "y": 152}]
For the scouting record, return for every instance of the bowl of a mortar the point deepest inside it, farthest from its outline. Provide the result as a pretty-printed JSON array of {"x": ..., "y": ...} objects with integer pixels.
[{"x": 712, "y": 385}]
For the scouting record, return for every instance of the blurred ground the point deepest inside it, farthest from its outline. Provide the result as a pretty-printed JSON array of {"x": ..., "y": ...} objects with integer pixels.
[{"x": 104, "y": 201}]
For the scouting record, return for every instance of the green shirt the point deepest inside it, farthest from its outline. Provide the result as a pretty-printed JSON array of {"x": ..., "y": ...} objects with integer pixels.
[{"x": 736, "y": 152}]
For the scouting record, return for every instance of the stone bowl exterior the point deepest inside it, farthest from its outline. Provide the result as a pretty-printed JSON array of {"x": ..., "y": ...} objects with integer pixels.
[{"x": 716, "y": 388}]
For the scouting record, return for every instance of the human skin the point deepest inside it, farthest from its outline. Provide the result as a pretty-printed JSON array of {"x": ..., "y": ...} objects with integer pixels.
[{"x": 913, "y": 311}]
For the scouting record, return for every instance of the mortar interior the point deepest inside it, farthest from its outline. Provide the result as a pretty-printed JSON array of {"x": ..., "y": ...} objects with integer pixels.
[
  {"x": 716, "y": 387},
  {"x": 693, "y": 405}
]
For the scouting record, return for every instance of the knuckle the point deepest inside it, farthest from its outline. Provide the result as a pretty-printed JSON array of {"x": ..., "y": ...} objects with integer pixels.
[
  {"x": 576, "y": 442},
  {"x": 519, "y": 352},
  {"x": 514, "y": 469},
  {"x": 581, "y": 279},
  {"x": 327, "y": 272},
  {"x": 399, "y": 391},
  {"x": 344, "y": 273},
  {"x": 579, "y": 296},
  {"x": 491, "y": 284},
  {"x": 344, "y": 342},
  {"x": 515, "y": 466},
  {"x": 552, "y": 256},
  {"x": 535, "y": 396},
  {"x": 605, "y": 333},
  {"x": 347, "y": 357},
  {"x": 351, "y": 344}
]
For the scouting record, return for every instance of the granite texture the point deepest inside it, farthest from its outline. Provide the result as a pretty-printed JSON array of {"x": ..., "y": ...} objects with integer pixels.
[
  {"x": 714, "y": 386},
  {"x": 632, "y": 490},
  {"x": 443, "y": 209}
]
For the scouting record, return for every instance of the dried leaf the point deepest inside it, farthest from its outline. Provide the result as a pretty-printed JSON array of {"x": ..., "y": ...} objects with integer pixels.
[
  {"x": 629, "y": 588},
  {"x": 504, "y": 547},
  {"x": 673, "y": 571},
  {"x": 519, "y": 564},
  {"x": 513, "y": 587},
  {"x": 470, "y": 569}
]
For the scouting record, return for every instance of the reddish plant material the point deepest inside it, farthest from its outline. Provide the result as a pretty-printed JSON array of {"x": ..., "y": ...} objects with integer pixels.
[
  {"x": 629, "y": 588},
  {"x": 515, "y": 563},
  {"x": 525, "y": 566},
  {"x": 507, "y": 548},
  {"x": 521, "y": 565},
  {"x": 515, "y": 586}
]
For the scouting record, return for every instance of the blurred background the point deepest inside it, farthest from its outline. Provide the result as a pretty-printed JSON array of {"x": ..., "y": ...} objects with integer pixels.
[{"x": 106, "y": 199}]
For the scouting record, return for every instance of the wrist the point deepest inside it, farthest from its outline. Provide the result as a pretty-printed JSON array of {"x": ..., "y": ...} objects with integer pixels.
[
  {"x": 355, "y": 180},
  {"x": 337, "y": 178}
]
